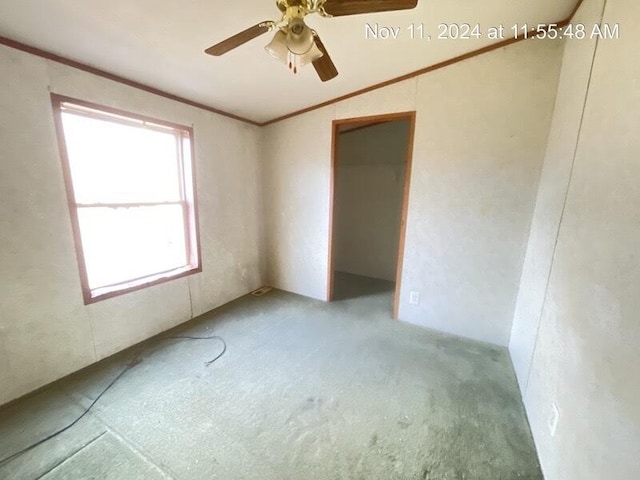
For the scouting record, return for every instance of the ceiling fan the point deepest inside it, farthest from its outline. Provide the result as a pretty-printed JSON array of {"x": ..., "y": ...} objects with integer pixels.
[{"x": 295, "y": 43}]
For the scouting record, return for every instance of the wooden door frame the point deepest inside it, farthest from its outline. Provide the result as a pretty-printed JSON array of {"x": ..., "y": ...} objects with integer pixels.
[{"x": 336, "y": 124}]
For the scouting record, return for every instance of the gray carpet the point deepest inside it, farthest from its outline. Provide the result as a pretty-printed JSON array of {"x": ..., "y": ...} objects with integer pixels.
[{"x": 306, "y": 390}]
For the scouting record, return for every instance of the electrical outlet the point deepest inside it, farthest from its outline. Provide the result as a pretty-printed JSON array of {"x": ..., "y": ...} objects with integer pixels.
[
  {"x": 553, "y": 419},
  {"x": 414, "y": 298}
]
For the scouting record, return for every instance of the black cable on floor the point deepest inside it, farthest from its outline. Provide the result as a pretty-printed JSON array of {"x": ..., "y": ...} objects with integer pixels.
[
  {"x": 212, "y": 337},
  {"x": 134, "y": 361}
]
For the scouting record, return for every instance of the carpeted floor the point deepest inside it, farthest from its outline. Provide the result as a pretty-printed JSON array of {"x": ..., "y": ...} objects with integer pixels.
[{"x": 306, "y": 390}]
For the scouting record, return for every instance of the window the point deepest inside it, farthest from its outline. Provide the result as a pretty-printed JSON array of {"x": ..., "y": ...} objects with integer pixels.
[{"x": 130, "y": 187}]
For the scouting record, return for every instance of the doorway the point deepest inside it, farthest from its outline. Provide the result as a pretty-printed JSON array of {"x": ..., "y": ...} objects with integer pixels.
[{"x": 371, "y": 170}]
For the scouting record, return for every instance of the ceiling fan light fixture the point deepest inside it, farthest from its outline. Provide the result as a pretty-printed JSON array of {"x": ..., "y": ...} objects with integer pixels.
[
  {"x": 312, "y": 55},
  {"x": 279, "y": 49},
  {"x": 299, "y": 37},
  {"x": 294, "y": 43}
]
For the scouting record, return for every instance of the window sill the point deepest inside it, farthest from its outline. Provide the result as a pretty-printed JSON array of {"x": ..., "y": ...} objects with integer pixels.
[{"x": 104, "y": 293}]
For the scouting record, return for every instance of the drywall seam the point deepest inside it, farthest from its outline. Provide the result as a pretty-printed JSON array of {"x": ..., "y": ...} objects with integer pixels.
[
  {"x": 533, "y": 212},
  {"x": 564, "y": 204},
  {"x": 91, "y": 327},
  {"x": 190, "y": 298}
]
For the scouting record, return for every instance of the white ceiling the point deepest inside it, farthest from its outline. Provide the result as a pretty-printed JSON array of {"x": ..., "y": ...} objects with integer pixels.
[{"x": 160, "y": 43}]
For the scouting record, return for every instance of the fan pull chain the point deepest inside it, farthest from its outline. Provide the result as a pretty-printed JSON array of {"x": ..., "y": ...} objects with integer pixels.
[{"x": 293, "y": 61}]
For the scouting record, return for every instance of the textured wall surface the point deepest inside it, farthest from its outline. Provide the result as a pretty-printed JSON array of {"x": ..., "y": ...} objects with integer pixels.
[
  {"x": 296, "y": 175},
  {"x": 586, "y": 352},
  {"x": 46, "y": 331},
  {"x": 554, "y": 182},
  {"x": 481, "y": 133},
  {"x": 368, "y": 199}
]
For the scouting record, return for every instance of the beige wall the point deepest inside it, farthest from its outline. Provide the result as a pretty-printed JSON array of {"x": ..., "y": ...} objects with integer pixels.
[
  {"x": 578, "y": 334},
  {"x": 370, "y": 174},
  {"x": 554, "y": 182},
  {"x": 45, "y": 330},
  {"x": 481, "y": 133}
]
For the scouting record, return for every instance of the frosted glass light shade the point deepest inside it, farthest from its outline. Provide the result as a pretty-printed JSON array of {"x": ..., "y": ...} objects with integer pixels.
[
  {"x": 299, "y": 37},
  {"x": 277, "y": 48},
  {"x": 312, "y": 55}
]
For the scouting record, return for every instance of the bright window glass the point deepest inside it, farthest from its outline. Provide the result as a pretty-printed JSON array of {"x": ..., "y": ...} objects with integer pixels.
[{"x": 130, "y": 187}]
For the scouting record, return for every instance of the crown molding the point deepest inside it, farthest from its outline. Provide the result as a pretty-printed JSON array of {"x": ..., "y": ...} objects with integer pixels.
[
  {"x": 147, "y": 88},
  {"x": 116, "y": 78},
  {"x": 422, "y": 71}
]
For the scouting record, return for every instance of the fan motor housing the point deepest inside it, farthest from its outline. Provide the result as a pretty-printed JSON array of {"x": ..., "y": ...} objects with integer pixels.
[{"x": 283, "y": 5}]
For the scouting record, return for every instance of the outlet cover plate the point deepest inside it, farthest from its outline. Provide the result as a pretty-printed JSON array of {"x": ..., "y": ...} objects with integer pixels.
[{"x": 414, "y": 298}]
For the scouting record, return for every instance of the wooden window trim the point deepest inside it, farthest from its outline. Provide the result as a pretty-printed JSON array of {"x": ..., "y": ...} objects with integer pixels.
[{"x": 189, "y": 200}]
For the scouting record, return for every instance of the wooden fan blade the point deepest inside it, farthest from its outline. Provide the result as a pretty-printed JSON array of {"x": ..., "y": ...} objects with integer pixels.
[
  {"x": 339, "y": 8},
  {"x": 239, "y": 39},
  {"x": 324, "y": 66}
]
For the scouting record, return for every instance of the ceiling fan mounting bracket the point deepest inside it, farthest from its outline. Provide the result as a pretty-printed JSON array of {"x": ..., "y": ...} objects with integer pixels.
[
  {"x": 295, "y": 12},
  {"x": 301, "y": 8}
]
